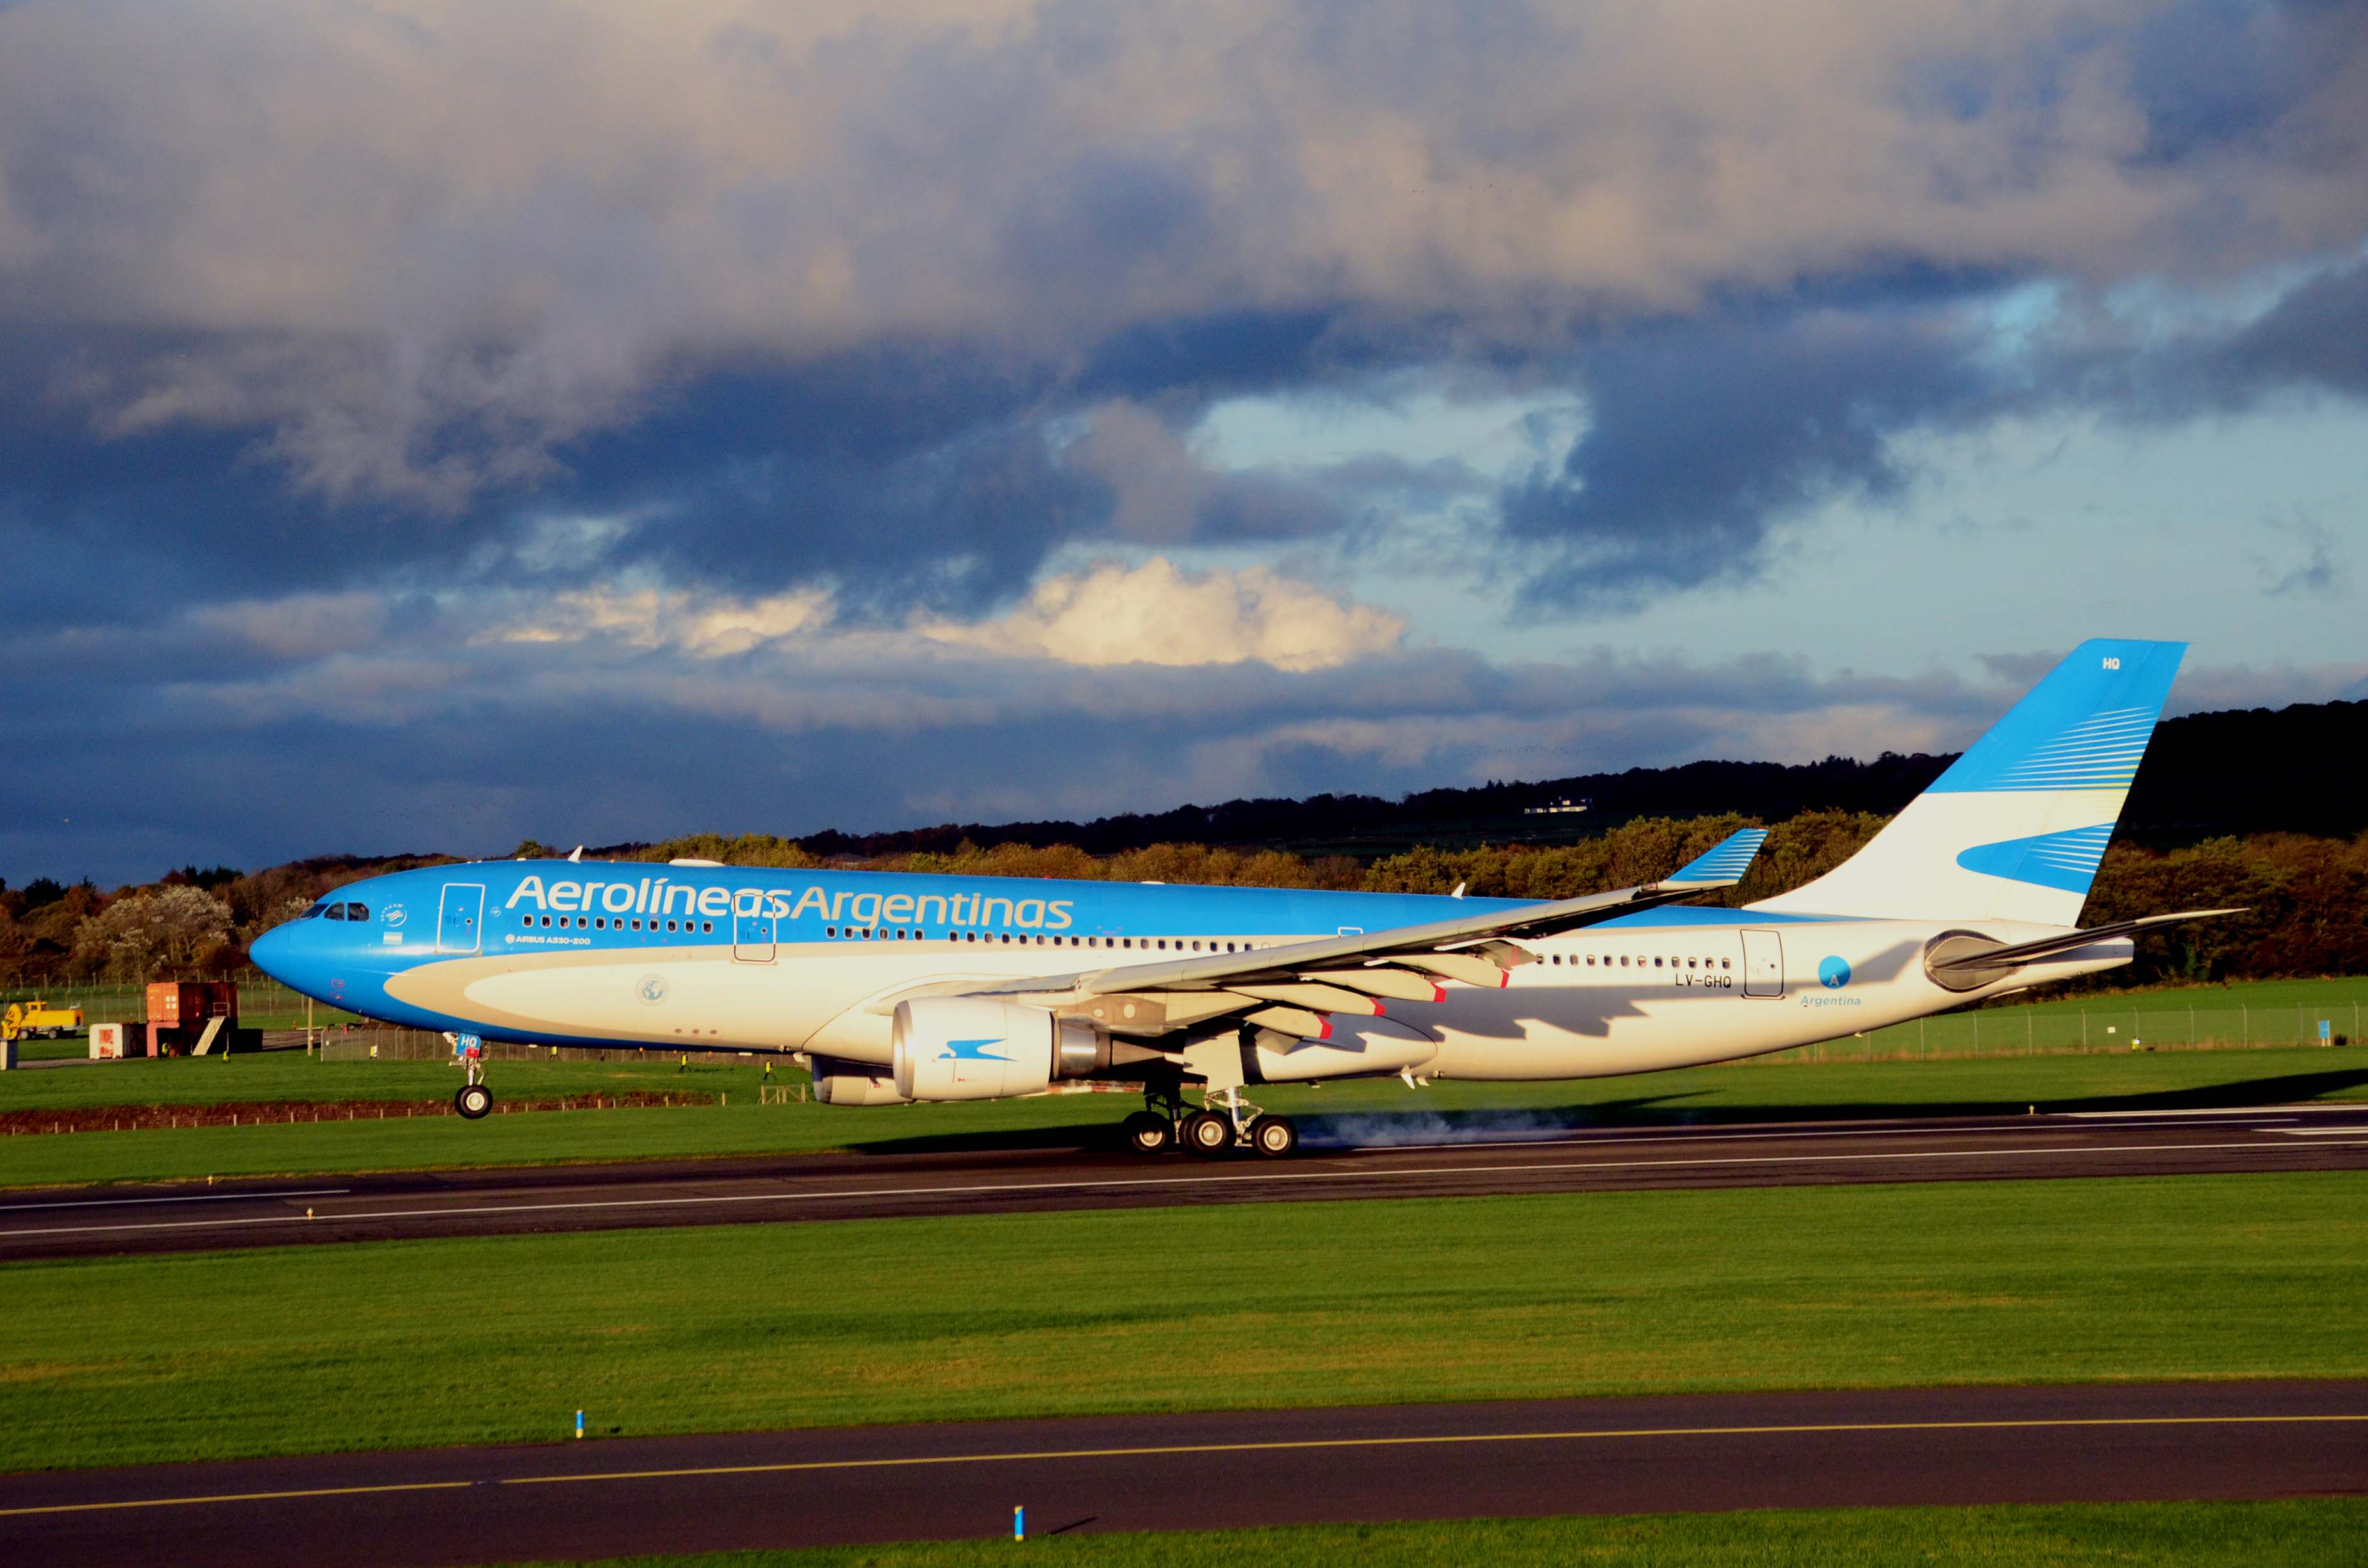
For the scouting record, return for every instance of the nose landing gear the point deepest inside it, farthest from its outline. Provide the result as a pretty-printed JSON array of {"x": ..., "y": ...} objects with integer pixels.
[{"x": 474, "y": 1099}]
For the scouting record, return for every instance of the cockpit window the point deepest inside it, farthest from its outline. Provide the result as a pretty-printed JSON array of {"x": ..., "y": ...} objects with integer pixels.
[
  {"x": 320, "y": 907},
  {"x": 357, "y": 912},
  {"x": 335, "y": 912}
]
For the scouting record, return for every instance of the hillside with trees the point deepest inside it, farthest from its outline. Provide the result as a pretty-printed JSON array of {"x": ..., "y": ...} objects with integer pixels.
[{"x": 2230, "y": 809}]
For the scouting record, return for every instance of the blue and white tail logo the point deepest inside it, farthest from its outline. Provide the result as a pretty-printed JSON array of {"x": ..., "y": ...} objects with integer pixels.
[{"x": 2015, "y": 828}]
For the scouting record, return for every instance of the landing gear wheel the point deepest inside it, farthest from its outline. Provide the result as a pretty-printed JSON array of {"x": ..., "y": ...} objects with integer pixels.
[
  {"x": 1274, "y": 1136},
  {"x": 1206, "y": 1132},
  {"x": 474, "y": 1101},
  {"x": 1148, "y": 1132}
]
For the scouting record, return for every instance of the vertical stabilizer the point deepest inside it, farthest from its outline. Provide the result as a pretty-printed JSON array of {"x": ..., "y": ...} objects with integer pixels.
[{"x": 2016, "y": 826}]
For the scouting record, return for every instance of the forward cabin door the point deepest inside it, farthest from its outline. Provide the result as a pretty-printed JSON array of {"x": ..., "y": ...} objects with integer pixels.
[
  {"x": 1763, "y": 963},
  {"x": 460, "y": 918},
  {"x": 752, "y": 934}
]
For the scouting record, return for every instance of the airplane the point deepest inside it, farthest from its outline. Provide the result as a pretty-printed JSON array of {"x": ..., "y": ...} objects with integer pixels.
[{"x": 894, "y": 988}]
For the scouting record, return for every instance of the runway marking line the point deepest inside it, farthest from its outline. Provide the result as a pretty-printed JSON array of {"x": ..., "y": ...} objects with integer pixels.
[
  {"x": 1073, "y": 1184},
  {"x": 197, "y": 1198},
  {"x": 1171, "y": 1449}
]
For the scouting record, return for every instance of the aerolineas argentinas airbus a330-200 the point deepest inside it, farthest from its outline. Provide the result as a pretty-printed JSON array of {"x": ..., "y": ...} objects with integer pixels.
[{"x": 897, "y": 988}]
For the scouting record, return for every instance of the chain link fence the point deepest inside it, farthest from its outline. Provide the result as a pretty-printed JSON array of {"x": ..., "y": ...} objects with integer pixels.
[
  {"x": 2142, "y": 1024},
  {"x": 263, "y": 1001},
  {"x": 367, "y": 1043}
]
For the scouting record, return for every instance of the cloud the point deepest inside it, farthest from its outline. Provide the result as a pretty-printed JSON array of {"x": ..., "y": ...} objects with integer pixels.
[
  {"x": 1156, "y": 614},
  {"x": 426, "y": 251},
  {"x": 1702, "y": 437},
  {"x": 738, "y": 384}
]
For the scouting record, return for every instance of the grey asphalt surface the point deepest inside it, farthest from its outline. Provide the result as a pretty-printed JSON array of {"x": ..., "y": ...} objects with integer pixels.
[
  {"x": 818, "y": 1187},
  {"x": 1196, "y": 1471}
]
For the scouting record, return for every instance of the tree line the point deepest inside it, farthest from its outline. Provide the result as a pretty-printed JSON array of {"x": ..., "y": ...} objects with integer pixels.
[{"x": 2305, "y": 896}]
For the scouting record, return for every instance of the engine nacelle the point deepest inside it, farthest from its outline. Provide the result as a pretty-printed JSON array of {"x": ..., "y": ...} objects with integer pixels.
[
  {"x": 838, "y": 1082},
  {"x": 970, "y": 1047}
]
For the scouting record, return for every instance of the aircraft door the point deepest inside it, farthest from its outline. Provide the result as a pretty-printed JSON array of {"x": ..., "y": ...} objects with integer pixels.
[
  {"x": 1763, "y": 964},
  {"x": 752, "y": 930},
  {"x": 460, "y": 917}
]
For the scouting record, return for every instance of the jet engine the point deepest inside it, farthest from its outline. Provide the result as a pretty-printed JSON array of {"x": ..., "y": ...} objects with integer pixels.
[{"x": 970, "y": 1047}]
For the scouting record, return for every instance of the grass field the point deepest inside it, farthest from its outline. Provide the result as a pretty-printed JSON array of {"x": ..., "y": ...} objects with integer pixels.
[
  {"x": 1380, "y": 1111},
  {"x": 2302, "y": 1534},
  {"x": 193, "y": 1356}
]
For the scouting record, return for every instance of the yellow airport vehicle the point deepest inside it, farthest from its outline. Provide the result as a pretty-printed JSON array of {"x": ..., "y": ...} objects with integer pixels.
[{"x": 37, "y": 1020}]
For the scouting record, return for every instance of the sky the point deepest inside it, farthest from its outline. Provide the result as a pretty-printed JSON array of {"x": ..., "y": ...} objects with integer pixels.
[{"x": 427, "y": 426}]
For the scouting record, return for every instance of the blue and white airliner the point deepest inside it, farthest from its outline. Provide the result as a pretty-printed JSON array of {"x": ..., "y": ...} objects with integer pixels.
[{"x": 896, "y": 988}]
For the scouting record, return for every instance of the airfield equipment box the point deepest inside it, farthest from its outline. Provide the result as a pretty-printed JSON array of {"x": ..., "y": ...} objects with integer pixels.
[{"x": 110, "y": 1041}]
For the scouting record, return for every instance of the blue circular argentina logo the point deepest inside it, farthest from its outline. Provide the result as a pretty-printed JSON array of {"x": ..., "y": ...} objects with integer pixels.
[
  {"x": 652, "y": 989},
  {"x": 1833, "y": 974}
]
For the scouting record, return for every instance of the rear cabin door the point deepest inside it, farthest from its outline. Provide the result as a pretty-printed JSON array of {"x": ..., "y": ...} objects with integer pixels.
[
  {"x": 1763, "y": 964},
  {"x": 752, "y": 935},
  {"x": 460, "y": 918}
]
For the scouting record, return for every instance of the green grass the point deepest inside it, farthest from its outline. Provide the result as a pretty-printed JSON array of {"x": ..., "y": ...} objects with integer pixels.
[
  {"x": 71, "y": 1048},
  {"x": 2078, "y": 1535},
  {"x": 292, "y": 1076},
  {"x": 196, "y": 1356},
  {"x": 742, "y": 1126}
]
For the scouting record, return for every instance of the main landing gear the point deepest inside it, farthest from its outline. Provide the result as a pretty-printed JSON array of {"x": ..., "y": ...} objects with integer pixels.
[{"x": 1224, "y": 1122}]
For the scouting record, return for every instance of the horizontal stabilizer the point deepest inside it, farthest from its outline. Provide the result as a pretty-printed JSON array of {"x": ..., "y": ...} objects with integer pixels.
[{"x": 2065, "y": 942}]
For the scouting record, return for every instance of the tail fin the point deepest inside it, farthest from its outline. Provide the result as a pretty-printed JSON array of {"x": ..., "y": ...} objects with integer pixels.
[{"x": 2016, "y": 826}]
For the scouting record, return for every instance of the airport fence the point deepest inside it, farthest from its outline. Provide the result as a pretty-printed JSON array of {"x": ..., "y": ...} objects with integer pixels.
[
  {"x": 2141, "y": 1023},
  {"x": 366, "y": 1042},
  {"x": 2145, "y": 1022},
  {"x": 263, "y": 1001}
]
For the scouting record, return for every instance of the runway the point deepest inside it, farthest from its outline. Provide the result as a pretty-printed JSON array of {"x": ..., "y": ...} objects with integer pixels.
[
  {"x": 818, "y": 1187},
  {"x": 1199, "y": 1472}
]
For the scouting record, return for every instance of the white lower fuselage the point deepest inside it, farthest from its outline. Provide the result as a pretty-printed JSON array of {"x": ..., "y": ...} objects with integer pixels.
[{"x": 1628, "y": 997}]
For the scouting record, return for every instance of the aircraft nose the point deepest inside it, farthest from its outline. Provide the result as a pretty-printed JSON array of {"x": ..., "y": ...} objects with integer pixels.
[{"x": 274, "y": 953}]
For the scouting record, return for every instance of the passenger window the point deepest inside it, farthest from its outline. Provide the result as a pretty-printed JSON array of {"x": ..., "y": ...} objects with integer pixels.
[{"x": 707, "y": 925}]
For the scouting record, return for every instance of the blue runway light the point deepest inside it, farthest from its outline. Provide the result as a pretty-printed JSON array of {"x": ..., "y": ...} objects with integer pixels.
[
  {"x": 1020, "y": 1522},
  {"x": 579, "y": 1424}
]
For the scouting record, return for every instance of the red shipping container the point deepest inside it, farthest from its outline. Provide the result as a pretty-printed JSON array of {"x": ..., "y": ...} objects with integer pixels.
[{"x": 179, "y": 1002}]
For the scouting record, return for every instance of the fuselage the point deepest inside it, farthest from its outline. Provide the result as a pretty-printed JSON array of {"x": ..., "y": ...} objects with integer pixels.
[{"x": 741, "y": 958}]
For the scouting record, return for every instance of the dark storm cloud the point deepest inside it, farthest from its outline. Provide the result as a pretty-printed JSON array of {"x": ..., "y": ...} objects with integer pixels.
[
  {"x": 1704, "y": 435},
  {"x": 2314, "y": 337}
]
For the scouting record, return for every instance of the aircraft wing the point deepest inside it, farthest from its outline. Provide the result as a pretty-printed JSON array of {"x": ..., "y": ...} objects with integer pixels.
[{"x": 1295, "y": 987}]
